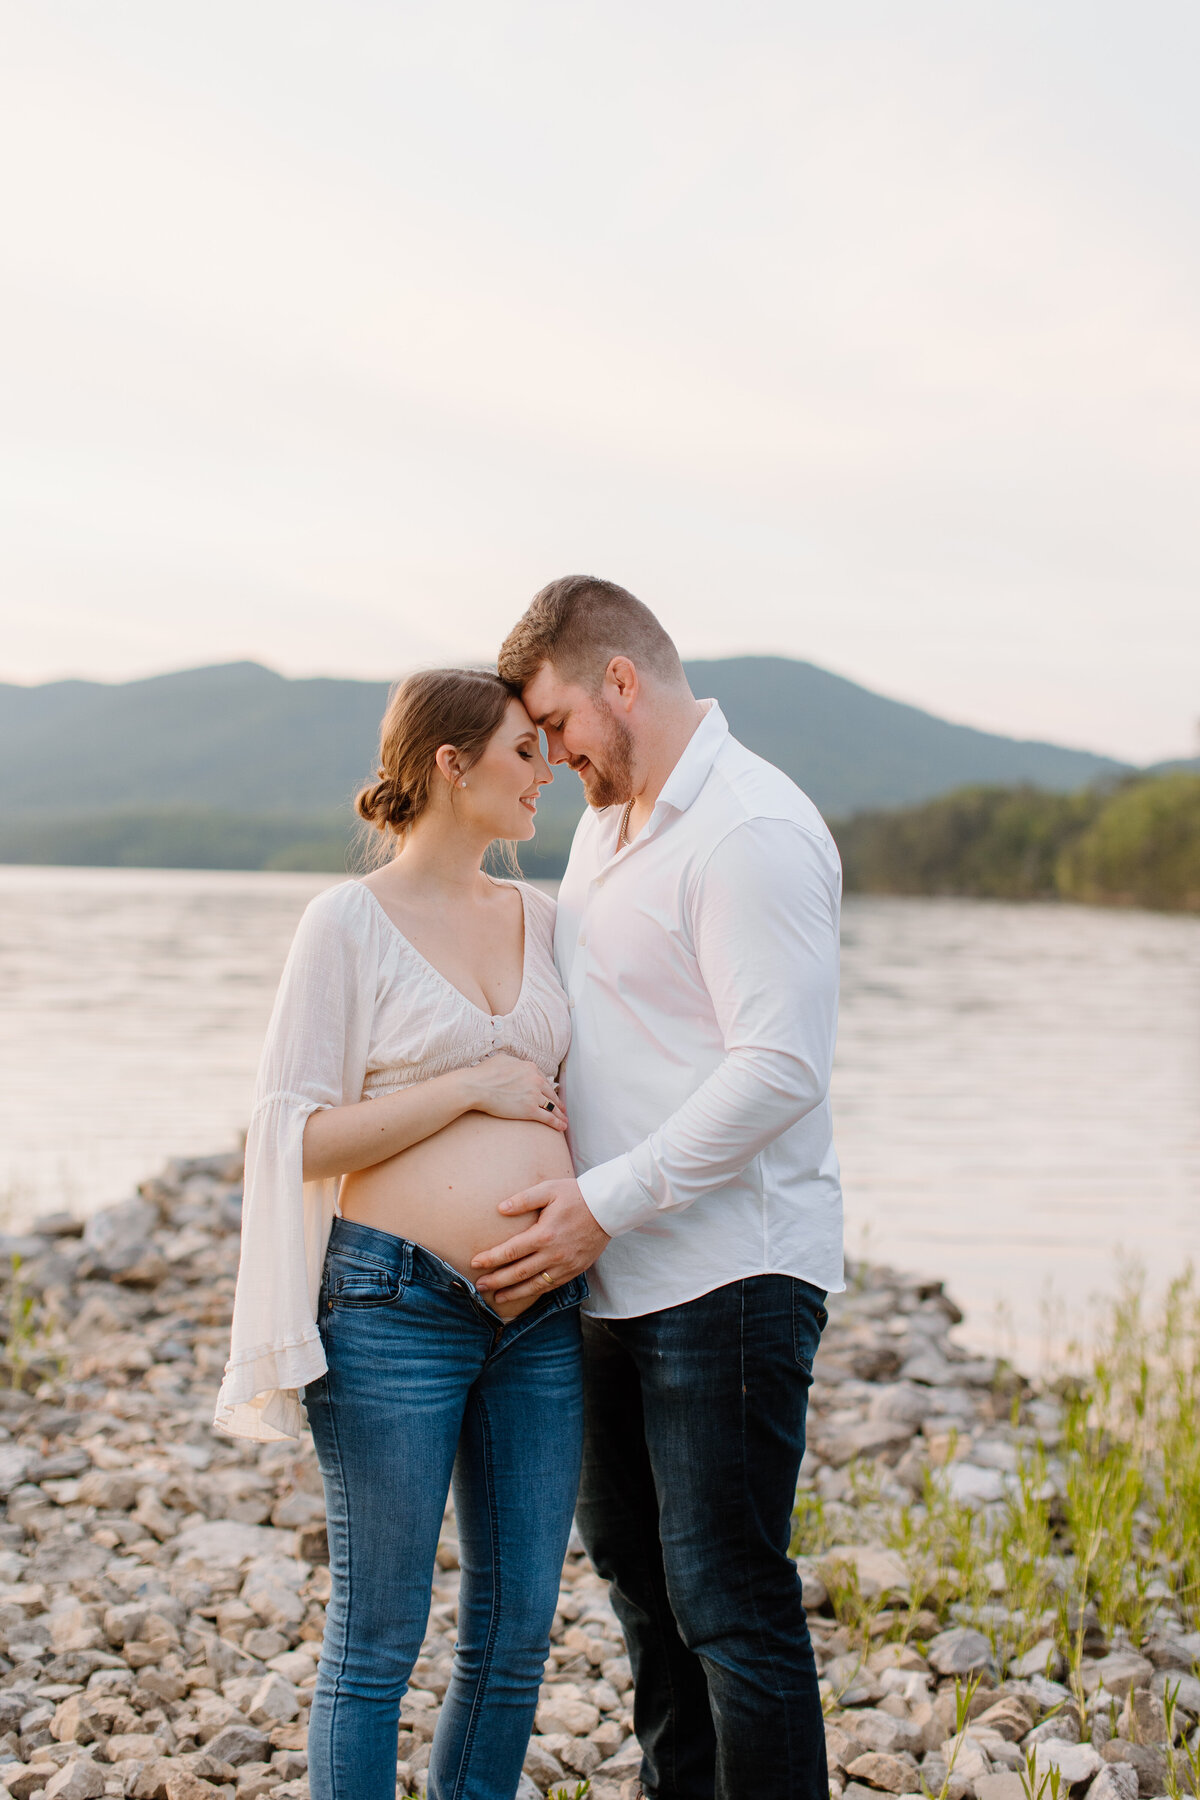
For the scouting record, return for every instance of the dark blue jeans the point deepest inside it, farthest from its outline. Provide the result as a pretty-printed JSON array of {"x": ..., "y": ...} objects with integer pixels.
[
  {"x": 425, "y": 1383},
  {"x": 694, "y": 1435}
]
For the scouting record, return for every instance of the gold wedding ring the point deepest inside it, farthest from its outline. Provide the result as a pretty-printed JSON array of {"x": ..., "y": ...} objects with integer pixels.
[{"x": 543, "y": 1276}]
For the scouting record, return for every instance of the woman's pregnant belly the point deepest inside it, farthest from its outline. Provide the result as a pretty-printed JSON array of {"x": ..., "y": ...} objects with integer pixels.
[{"x": 444, "y": 1191}]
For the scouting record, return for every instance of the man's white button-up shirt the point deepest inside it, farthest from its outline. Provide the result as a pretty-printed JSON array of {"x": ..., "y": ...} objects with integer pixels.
[{"x": 701, "y": 962}]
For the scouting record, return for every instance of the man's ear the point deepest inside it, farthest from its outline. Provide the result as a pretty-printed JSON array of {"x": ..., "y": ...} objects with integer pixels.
[{"x": 621, "y": 678}]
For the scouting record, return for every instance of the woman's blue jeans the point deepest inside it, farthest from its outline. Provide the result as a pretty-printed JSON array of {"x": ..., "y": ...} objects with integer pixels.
[{"x": 425, "y": 1384}]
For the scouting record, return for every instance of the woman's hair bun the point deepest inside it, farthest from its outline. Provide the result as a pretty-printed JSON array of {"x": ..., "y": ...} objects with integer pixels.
[{"x": 384, "y": 805}]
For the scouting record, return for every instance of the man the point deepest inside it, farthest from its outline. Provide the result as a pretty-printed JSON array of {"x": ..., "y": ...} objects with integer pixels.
[{"x": 697, "y": 938}]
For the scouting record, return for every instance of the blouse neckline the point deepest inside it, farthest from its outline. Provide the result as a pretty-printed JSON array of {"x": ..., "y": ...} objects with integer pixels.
[{"x": 445, "y": 980}]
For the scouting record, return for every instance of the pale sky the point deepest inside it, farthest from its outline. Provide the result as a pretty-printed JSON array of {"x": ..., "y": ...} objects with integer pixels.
[{"x": 866, "y": 333}]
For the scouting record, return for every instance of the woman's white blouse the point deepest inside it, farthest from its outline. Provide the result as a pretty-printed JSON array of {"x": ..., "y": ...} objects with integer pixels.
[{"x": 359, "y": 1013}]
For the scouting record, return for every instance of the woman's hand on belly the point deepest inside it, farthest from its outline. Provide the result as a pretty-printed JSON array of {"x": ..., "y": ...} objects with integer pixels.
[{"x": 508, "y": 1088}]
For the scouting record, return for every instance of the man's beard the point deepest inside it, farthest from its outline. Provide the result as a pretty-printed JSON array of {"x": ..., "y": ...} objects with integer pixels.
[{"x": 612, "y": 785}]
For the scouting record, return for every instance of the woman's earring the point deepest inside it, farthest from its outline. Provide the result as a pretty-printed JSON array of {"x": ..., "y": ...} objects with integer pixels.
[{"x": 463, "y": 782}]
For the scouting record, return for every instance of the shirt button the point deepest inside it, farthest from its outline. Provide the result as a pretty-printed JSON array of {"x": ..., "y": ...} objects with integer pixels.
[
  {"x": 599, "y": 881},
  {"x": 571, "y": 1004},
  {"x": 582, "y": 939}
]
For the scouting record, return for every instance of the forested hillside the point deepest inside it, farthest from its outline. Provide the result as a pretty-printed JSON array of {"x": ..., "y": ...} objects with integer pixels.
[
  {"x": 237, "y": 766},
  {"x": 1137, "y": 844}
]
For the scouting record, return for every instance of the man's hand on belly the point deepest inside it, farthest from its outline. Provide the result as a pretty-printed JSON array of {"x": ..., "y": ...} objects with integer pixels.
[{"x": 565, "y": 1241}]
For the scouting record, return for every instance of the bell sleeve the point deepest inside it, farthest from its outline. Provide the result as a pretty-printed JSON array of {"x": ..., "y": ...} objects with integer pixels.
[{"x": 315, "y": 1056}]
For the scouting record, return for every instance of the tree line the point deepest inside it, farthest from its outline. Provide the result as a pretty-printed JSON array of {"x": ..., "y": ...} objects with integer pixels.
[{"x": 1136, "y": 843}]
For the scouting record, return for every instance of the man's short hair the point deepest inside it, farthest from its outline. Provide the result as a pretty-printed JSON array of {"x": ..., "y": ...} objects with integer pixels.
[{"x": 578, "y": 624}]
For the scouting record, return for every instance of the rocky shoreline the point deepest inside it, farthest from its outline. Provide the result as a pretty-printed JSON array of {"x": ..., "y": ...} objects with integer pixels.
[{"x": 162, "y": 1589}]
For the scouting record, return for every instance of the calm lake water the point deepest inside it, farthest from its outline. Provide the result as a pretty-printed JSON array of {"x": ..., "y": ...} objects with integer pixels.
[{"x": 1017, "y": 1090}]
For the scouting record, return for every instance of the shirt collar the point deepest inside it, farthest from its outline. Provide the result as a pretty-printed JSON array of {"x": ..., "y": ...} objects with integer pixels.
[{"x": 690, "y": 773}]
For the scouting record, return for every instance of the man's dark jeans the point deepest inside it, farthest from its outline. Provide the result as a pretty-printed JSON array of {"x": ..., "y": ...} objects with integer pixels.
[{"x": 694, "y": 1435}]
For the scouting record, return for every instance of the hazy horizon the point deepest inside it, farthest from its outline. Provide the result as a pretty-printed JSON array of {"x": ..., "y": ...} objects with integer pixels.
[{"x": 870, "y": 338}]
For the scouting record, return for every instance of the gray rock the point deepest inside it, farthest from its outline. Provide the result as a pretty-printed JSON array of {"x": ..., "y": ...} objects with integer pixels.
[
  {"x": 272, "y": 1588},
  {"x": 273, "y": 1702},
  {"x": 996, "y": 1453},
  {"x": 1167, "y": 1650},
  {"x": 1143, "y": 1718},
  {"x": 74, "y": 1626},
  {"x": 851, "y": 1682},
  {"x": 1045, "y": 1692},
  {"x": 816, "y": 1594},
  {"x": 937, "y": 1774},
  {"x": 971, "y": 1485},
  {"x": 870, "y": 1438},
  {"x": 15, "y": 1463},
  {"x": 79, "y": 1779},
  {"x": 1151, "y": 1764},
  {"x": 967, "y": 1758},
  {"x": 959, "y": 1652},
  {"x": 1076, "y": 1762},
  {"x": 1043, "y": 1659},
  {"x": 901, "y": 1400},
  {"x": 226, "y": 1543},
  {"x": 623, "y": 1762},
  {"x": 58, "y": 1225},
  {"x": 116, "y": 1239},
  {"x": 1010, "y": 1716},
  {"x": 884, "y": 1733},
  {"x": 877, "y": 1571},
  {"x": 1118, "y": 1672},
  {"x": 28, "y": 1779},
  {"x": 894, "y": 1774},
  {"x": 27, "y": 1246},
  {"x": 1116, "y": 1781},
  {"x": 1186, "y": 1689},
  {"x": 932, "y": 1369},
  {"x": 1003, "y": 1784},
  {"x": 1062, "y": 1727},
  {"x": 542, "y": 1765},
  {"x": 238, "y": 1744}
]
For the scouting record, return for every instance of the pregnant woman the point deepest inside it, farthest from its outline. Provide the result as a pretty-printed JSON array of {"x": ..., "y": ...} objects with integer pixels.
[{"x": 408, "y": 1085}]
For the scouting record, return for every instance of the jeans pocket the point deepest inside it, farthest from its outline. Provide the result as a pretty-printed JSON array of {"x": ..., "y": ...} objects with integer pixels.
[
  {"x": 354, "y": 1289},
  {"x": 809, "y": 1319}
]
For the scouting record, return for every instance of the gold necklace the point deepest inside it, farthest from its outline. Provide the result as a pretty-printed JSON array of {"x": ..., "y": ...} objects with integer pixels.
[{"x": 623, "y": 834}]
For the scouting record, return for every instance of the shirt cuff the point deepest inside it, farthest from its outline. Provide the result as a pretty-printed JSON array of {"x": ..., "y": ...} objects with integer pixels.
[{"x": 615, "y": 1197}]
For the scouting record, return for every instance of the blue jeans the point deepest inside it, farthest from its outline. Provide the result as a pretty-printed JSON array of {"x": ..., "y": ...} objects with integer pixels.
[
  {"x": 424, "y": 1384},
  {"x": 694, "y": 1436}
]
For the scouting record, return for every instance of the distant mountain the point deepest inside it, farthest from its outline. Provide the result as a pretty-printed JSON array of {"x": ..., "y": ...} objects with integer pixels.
[
  {"x": 82, "y": 759},
  {"x": 1182, "y": 765}
]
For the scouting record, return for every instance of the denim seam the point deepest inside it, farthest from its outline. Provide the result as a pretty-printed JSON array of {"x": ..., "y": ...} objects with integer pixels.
[
  {"x": 751, "y": 1590},
  {"x": 666, "y": 1622},
  {"x": 489, "y": 1649},
  {"x": 336, "y": 1686}
]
